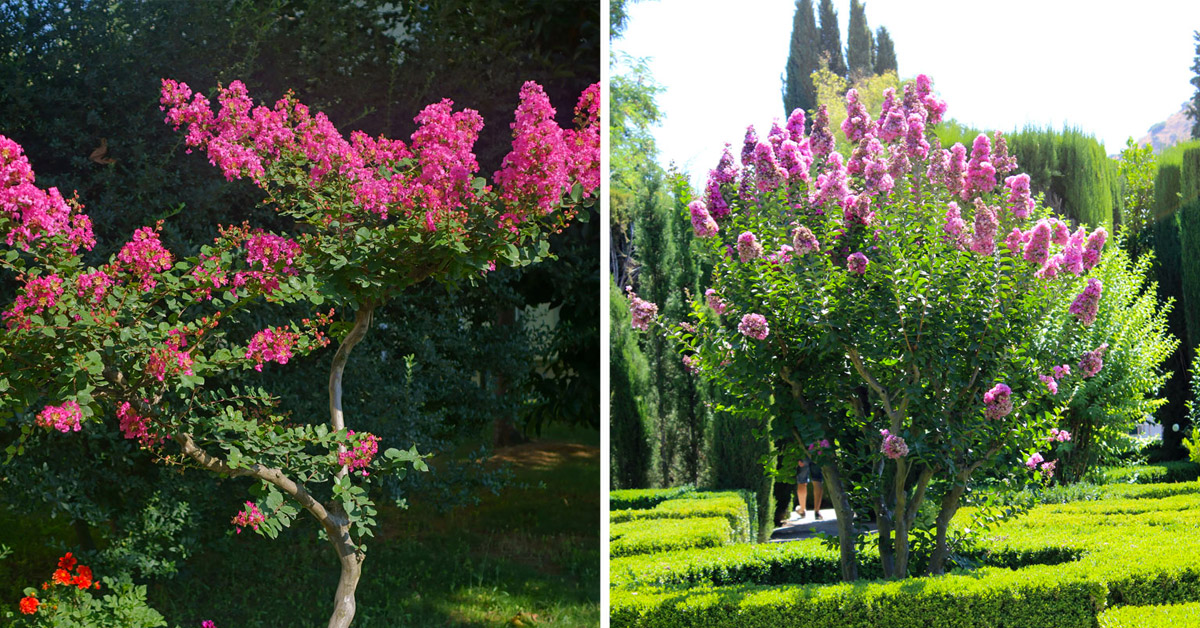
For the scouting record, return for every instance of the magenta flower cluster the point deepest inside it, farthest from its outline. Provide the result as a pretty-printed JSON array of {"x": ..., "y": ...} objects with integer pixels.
[
  {"x": 714, "y": 301},
  {"x": 857, "y": 263},
  {"x": 273, "y": 344},
  {"x": 1057, "y": 435},
  {"x": 691, "y": 364},
  {"x": 998, "y": 402},
  {"x": 360, "y": 455},
  {"x": 170, "y": 358},
  {"x": 536, "y": 169},
  {"x": 65, "y": 417},
  {"x": 35, "y": 219},
  {"x": 135, "y": 426},
  {"x": 804, "y": 242},
  {"x": 893, "y": 446},
  {"x": 702, "y": 223},
  {"x": 1092, "y": 361},
  {"x": 748, "y": 247},
  {"x": 39, "y": 295},
  {"x": 248, "y": 517},
  {"x": 144, "y": 256},
  {"x": 1086, "y": 305},
  {"x": 754, "y": 326}
]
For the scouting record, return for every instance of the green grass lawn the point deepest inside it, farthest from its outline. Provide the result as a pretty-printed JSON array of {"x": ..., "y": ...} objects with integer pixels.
[{"x": 528, "y": 556}]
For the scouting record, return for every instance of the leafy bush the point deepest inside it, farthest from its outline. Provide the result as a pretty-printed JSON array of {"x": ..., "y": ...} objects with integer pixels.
[
  {"x": 1163, "y": 472},
  {"x": 1174, "y": 615},
  {"x": 641, "y": 498},
  {"x": 661, "y": 535},
  {"x": 732, "y": 508}
]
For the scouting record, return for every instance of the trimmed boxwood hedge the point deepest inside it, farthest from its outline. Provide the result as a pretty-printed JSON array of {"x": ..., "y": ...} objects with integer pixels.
[
  {"x": 1164, "y": 472},
  {"x": 641, "y": 498},
  {"x": 1137, "y": 547},
  {"x": 662, "y": 535},
  {"x": 1173, "y": 615},
  {"x": 732, "y": 507}
]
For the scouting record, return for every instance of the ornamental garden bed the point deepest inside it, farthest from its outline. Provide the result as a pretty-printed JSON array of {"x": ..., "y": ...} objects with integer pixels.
[{"x": 1076, "y": 564}]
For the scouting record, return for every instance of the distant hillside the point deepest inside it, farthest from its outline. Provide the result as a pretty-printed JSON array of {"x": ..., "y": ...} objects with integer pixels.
[{"x": 1173, "y": 130}]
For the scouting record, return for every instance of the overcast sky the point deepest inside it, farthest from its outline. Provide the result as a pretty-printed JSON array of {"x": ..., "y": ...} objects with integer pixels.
[{"x": 1112, "y": 73}]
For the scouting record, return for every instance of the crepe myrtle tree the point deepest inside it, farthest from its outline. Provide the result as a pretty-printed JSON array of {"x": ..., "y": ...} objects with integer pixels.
[
  {"x": 889, "y": 303},
  {"x": 140, "y": 340}
]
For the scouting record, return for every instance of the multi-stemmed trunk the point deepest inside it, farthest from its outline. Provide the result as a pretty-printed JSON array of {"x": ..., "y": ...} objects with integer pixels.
[{"x": 848, "y": 551}]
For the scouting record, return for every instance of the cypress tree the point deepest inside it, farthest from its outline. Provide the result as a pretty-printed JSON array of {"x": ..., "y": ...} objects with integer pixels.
[
  {"x": 858, "y": 43},
  {"x": 1168, "y": 264},
  {"x": 804, "y": 58},
  {"x": 831, "y": 39},
  {"x": 885, "y": 55},
  {"x": 1194, "y": 106},
  {"x": 629, "y": 381}
]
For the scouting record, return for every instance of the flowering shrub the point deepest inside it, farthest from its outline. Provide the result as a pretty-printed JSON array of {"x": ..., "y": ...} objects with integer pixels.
[
  {"x": 66, "y": 600},
  {"x": 143, "y": 334},
  {"x": 899, "y": 321}
]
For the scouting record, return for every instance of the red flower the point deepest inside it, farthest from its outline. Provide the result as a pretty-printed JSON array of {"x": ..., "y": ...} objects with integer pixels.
[
  {"x": 62, "y": 576},
  {"x": 67, "y": 562},
  {"x": 84, "y": 579},
  {"x": 29, "y": 605}
]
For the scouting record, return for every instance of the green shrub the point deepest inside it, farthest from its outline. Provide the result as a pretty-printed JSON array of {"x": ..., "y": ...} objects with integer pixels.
[
  {"x": 1175, "y": 615},
  {"x": 663, "y": 535},
  {"x": 641, "y": 498},
  {"x": 1164, "y": 472},
  {"x": 732, "y": 507}
]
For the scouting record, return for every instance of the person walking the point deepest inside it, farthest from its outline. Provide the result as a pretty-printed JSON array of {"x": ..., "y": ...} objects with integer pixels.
[{"x": 809, "y": 471}]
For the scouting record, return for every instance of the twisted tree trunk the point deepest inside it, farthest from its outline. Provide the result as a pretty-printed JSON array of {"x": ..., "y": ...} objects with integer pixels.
[{"x": 845, "y": 524}]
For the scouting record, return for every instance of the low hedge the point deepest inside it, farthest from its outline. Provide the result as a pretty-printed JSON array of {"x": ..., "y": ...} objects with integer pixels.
[
  {"x": 1174, "y": 615},
  {"x": 731, "y": 506},
  {"x": 1163, "y": 472},
  {"x": 663, "y": 535},
  {"x": 1137, "y": 551},
  {"x": 641, "y": 498}
]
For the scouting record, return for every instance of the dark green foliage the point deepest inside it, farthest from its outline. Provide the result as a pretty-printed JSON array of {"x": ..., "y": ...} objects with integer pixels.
[
  {"x": 644, "y": 498},
  {"x": 804, "y": 58},
  {"x": 831, "y": 39},
  {"x": 1071, "y": 168},
  {"x": 859, "y": 43},
  {"x": 1170, "y": 286},
  {"x": 1189, "y": 175},
  {"x": 885, "y": 52},
  {"x": 1189, "y": 255},
  {"x": 629, "y": 383},
  {"x": 1193, "y": 108}
]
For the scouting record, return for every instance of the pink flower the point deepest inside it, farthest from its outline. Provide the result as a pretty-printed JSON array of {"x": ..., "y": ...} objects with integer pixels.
[
  {"x": 1087, "y": 303},
  {"x": 1038, "y": 247},
  {"x": 37, "y": 219},
  {"x": 1061, "y": 436},
  {"x": 998, "y": 402},
  {"x": 702, "y": 224},
  {"x": 642, "y": 311},
  {"x": 1062, "y": 371},
  {"x": 1033, "y": 461},
  {"x": 857, "y": 263},
  {"x": 858, "y": 122},
  {"x": 170, "y": 357},
  {"x": 144, "y": 255},
  {"x": 754, "y": 326},
  {"x": 208, "y": 623},
  {"x": 954, "y": 224},
  {"x": 39, "y": 295},
  {"x": 820, "y": 139},
  {"x": 64, "y": 418},
  {"x": 983, "y": 241},
  {"x": 93, "y": 286},
  {"x": 1048, "y": 469},
  {"x": 1092, "y": 361},
  {"x": 273, "y": 344},
  {"x": 1095, "y": 244},
  {"x": 536, "y": 169},
  {"x": 1019, "y": 200},
  {"x": 748, "y": 247},
  {"x": 894, "y": 446},
  {"x": 803, "y": 241},
  {"x": 360, "y": 455},
  {"x": 249, "y": 516},
  {"x": 135, "y": 426},
  {"x": 691, "y": 364},
  {"x": 714, "y": 301},
  {"x": 981, "y": 175},
  {"x": 1050, "y": 383}
]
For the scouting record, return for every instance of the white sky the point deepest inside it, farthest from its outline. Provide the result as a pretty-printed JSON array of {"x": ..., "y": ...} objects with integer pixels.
[{"x": 1111, "y": 69}]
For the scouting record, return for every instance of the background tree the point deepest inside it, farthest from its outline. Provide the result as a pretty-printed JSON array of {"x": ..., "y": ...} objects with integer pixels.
[
  {"x": 804, "y": 58},
  {"x": 885, "y": 52},
  {"x": 1193, "y": 109},
  {"x": 859, "y": 43},
  {"x": 629, "y": 443},
  {"x": 831, "y": 39}
]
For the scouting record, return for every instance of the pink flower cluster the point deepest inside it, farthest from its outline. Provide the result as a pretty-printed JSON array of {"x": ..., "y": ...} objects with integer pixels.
[
  {"x": 34, "y": 218},
  {"x": 1086, "y": 305},
  {"x": 691, "y": 364},
  {"x": 360, "y": 455},
  {"x": 857, "y": 263},
  {"x": 981, "y": 175},
  {"x": 244, "y": 140},
  {"x": 535, "y": 171},
  {"x": 702, "y": 223},
  {"x": 754, "y": 326},
  {"x": 273, "y": 344},
  {"x": 144, "y": 256},
  {"x": 1092, "y": 361},
  {"x": 209, "y": 275},
  {"x": 1051, "y": 381},
  {"x": 93, "y": 286},
  {"x": 1057, "y": 435},
  {"x": 40, "y": 294},
  {"x": 803, "y": 241},
  {"x": 640, "y": 310},
  {"x": 135, "y": 426},
  {"x": 998, "y": 402},
  {"x": 1019, "y": 199},
  {"x": 748, "y": 247},
  {"x": 248, "y": 517},
  {"x": 270, "y": 257},
  {"x": 170, "y": 357},
  {"x": 816, "y": 448},
  {"x": 714, "y": 301},
  {"x": 64, "y": 418},
  {"x": 983, "y": 241},
  {"x": 894, "y": 446},
  {"x": 1036, "y": 460}
]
